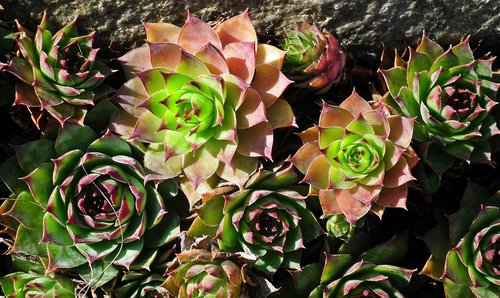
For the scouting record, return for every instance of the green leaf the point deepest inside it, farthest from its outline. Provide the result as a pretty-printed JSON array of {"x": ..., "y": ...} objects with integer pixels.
[
  {"x": 438, "y": 160},
  {"x": 31, "y": 155},
  {"x": 428, "y": 46},
  {"x": 390, "y": 252},
  {"x": 102, "y": 271},
  {"x": 74, "y": 137},
  {"x": 40, "y": 183},
  {"x": 229, "y": 236},
  {"x": 53, "y": 232},
  {"x": 445, "y": 61},
  {"x": 292, "y": 260},
  {"x": 270, "y": 262},
  {"x": 65, "y": 165},
  {"x": 64, "y": 257},
  {"x": 164, "y": 232},
  {"x": 129, "y": 252},
  {"x": 211, "y": 212},
  {"x": 407, "y": 103},
  {"x": 395, "y": 79},
  {"x": 463, "y": 52},
  {"x": 10, "y": 171},
  {"x": 110, "y": 145},
  {"x": 462, "y": 150},
  {"x": 418, "y": 62},
  {"x": 301, "y": 283},
  {"x": 28, "y": 212},
  {"x": 438, "y": 240},
  {"x": 28, "y": 242},
  {"x": 99, "y": 116}
]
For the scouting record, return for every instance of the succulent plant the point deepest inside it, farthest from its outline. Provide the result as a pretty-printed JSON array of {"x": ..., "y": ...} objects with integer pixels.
[
  {"x": 339, "y": 227},
  {"x": 199, "y": 273},
  {"x": 268, "y": 219},
  {"x": 450, "y": 94},
  {"x": 465, "y": 250},
  {"x": 84, "y": 200},
  {"x": 341, "y": 278},
  {"x": 58, "y": 73},
  {"x": 314, "y": 59},
  {"x": 20, "y": 284},
  {"x": 357, "y": 159},
  {"x": 205, "y": 99}
]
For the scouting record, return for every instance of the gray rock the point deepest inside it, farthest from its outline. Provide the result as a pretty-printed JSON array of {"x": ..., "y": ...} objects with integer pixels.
[{"x": 363, "y": 25}]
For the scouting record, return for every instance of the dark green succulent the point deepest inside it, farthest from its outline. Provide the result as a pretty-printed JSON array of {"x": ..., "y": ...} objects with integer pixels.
[
  {"x": 450, "y": 94},
  {"x": 267, "y": 219},
  {"x": 83, "y": 199}
]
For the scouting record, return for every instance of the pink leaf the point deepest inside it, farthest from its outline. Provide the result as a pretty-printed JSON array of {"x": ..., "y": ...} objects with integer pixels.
[
  {"x": 161, "y": 32},
  {"x": 235, "y": 29},
  {"x": 270, "y": 82},
  {"x": 356, "y": 104},
  {"x": 195, "y": 34},
  {"x": 240, "y": 58},
  {"x": 256, "y": 141},
  {"x": 165, "y": 55}
]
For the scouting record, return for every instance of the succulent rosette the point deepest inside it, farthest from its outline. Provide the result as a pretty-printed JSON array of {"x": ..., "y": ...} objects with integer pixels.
[
  {"x": 357, "y": 159},
  {"x": 199, "y": 273},
  {"x": 205, "y": 99},
  {"x": 465, "y": 252},
  {"x": 20, "y": 284},
  {"x": 341, "y": 278},
  {"x": 450, "y": 94},
  {"x": 268, "y": 219},
  {"x": 314, "y": 58},
  {"x": 338, "y": 227},
  {"x": 58, "y": 72},
  {"x": 84, "y": 200}
]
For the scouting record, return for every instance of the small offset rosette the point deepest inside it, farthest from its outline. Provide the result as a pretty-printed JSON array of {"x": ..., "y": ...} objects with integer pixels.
[{"x": 314, "y": 58}]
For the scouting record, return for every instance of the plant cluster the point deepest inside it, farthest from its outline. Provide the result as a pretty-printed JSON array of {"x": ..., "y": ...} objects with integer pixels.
[{"x": 185, "y": 180}]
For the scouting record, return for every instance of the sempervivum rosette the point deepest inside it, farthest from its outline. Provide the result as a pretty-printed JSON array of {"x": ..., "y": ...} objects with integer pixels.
[
  {"x": 465, "y": 252},
  {"x": 268, "y": 219},
  {"x": 358, "y": 159},
  {"x": 450, "y": 93},
  {"x": 314, "y": 58},
  {"x": 85, "y": 200},
  {"x": 341, "y": 278},
  {"x": 59, "y": 72},
  {"x": 199, "y": 273},
  {"x": 205, "y": 99},
  {"x": 21, "y": 284}
]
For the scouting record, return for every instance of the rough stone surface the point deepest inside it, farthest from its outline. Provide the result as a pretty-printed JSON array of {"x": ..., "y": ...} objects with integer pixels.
[{"x": 363, "y": 25}]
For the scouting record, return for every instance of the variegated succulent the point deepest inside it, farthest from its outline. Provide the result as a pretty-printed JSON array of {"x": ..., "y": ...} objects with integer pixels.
[
  {"x": 314, "y": 58},
  {"x": 84, "y": 200},
  {"x": 357, "y": 159},
  {"x": 198, "y": 273},
  {"x": 205, "y": 99},
  {"x": 341, "y": 278},
  {"x": 450, "y": 94},
  {"x": 268, "y": 219},
  {"x": 58, "y": 72}
]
